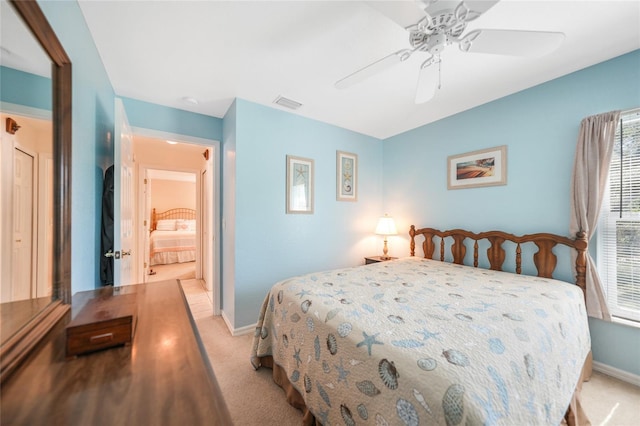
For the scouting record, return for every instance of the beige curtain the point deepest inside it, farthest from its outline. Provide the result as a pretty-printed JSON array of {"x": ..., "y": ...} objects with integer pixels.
[{"x": 589, "y": 179}]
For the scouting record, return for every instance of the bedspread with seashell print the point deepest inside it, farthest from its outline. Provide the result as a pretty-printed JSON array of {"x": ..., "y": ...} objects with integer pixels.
[{"x": 416, "y": 341}]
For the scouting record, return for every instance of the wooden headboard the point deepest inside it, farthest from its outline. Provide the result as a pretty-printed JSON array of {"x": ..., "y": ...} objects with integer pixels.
[
  {"x": 544, "y": 259},
  {"x": 179, "y": 213}
]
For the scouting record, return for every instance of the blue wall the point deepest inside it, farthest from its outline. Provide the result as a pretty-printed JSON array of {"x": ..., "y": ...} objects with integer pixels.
[
  {"x": 540, "y": 128},
  {"x": 171, "y": 120},
  {"x": 271, "y": 245},
  {"x": 24, "y": 88},
  {"x": 92, "y": 150}
]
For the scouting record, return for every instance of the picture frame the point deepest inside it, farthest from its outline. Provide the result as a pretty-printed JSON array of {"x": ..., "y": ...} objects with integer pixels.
[
  {"x": 486, "y": 167},
  {"x": 346, "y": 176},
  {"x": 300, "y": 183}
]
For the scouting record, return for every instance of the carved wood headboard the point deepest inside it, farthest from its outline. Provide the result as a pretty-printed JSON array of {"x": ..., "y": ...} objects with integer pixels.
[
  {"x": 179, "y": 213},
  {"x": 544, "y": 259}
]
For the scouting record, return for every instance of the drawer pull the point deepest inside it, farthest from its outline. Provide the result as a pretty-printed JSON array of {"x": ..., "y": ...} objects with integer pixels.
[{"x": 101, "y": 338}]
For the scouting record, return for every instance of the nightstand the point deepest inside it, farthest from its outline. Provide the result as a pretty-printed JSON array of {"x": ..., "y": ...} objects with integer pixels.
[{"x": 376, "y": 259}]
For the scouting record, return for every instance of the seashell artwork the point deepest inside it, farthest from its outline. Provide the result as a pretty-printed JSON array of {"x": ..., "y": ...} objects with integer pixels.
[
  {"x": 401, "y": 299},
  {"x": 295, "y": 376},
  {"x": 496, "y": 346},
  {"x": 285, "y": 340},
  {"x": 418, "y": 396},
  {"x": 381, "y": 421},
  {"x": 514, "y": 317},
  {"x": 368, "y": 388},
  {"x": 307, "y": 384},
  {"x": 325, "y": 367},
  {"x": 395, "y": 319},
  {"x": 362, "y": 412},
  {"x": 264, "y": 332},
  {"x": 388, "y": 373},
  {"x": 310, "y": 324},
  {"x": 453, "y": 404},
  {"x": 463, "y": 317},
  {"x": 346, "y": 415},
  {"x": 295, "y": 317},
  {"x": 316, "y": 346},
  {"x": 530, "y": 366},
  {"x": 344, "y": 329},
  {"x": 407, "y": 412},
  {"x": 332, "y": 313},
  {"x": 323, "y": 394},
  {"x": 332, "y": 344},
  {"x": 280, "y": 296},
  {"x": 427, "y": 364},
  {"x": 521, "y": 334},
  {"x": 304, "y": 306},
  {"x": 456, "y": 357}
]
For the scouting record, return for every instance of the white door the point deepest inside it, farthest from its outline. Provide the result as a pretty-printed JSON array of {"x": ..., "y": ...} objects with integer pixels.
[
  {"x": 23, "y": 192},
  {"x": 146, "y": 209},
  {"x": 123, "y": 199}
]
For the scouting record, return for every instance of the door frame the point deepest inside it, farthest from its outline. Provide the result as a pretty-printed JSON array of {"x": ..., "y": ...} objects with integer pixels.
[
  {"x": 144, "y": 215},
  {"x": 212, "y": 275}
]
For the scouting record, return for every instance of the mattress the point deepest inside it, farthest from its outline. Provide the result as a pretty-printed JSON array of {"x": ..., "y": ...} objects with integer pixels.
[{"x": 167, "y": 247}]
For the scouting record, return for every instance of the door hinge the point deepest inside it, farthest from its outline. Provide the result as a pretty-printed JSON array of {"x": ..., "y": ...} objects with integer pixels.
[{"x": 145, "y": 181}]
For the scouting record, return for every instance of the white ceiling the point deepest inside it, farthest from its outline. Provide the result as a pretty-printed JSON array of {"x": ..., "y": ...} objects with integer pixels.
[{"x": 215, "y": 51}]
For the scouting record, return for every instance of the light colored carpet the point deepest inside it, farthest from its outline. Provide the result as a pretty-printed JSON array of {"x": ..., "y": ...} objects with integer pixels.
[
  {"x": 173, "y": 271},
  {"x": 608, "y": 401}
]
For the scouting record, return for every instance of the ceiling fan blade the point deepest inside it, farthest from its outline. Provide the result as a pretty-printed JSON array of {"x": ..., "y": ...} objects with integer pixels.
[
  {"x": 512, "y": 42},
  {"x": 374, "y": 68},
  {"x": 428, "y": 81},
  {"x": 404, "y": 13}
]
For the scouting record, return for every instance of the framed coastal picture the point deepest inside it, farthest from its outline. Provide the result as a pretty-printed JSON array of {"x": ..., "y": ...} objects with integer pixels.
[
  {"x": 487, "y": 167},
  {"x": 299, "y": 185},
  {"x": 346, "y": 176}
]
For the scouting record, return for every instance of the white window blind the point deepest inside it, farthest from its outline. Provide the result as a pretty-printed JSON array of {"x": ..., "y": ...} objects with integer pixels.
[{"x": 619, "y": 225}]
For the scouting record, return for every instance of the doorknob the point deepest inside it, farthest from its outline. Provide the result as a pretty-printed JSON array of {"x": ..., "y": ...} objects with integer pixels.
[
  {"x": 126, "y": 253},
  {"x": 109, "y": 254}
]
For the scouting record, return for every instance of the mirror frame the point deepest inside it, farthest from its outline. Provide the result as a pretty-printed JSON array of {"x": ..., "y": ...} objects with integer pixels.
[{"x": 18, "y": 346}]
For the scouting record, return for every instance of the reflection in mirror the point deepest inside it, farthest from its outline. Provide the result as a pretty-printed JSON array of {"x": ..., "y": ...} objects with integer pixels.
[
  {"x": 19, "y": 79},
  {"x": 26, "y": 178}
]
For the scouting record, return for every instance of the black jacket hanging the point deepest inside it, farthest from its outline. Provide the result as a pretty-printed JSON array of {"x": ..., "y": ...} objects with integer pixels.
[{"x": 106, "y": 239}]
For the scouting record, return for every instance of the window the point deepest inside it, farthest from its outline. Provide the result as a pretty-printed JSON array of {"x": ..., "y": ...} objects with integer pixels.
[{"x": 619, "y": 226}]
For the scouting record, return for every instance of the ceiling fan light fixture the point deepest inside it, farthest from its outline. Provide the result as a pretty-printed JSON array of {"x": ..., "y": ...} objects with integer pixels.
[{"x": 287, "y": 103}]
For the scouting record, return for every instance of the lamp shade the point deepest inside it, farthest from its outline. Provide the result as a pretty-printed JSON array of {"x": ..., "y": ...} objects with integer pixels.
[{"x": 386, "y": 226}]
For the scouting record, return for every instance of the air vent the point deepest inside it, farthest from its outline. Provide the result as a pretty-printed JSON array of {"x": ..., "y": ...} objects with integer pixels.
[{"x": 287, "y": 103}]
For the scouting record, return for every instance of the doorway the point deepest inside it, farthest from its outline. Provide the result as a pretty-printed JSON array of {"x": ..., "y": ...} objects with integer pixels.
[
  {"x": 170, "y": 157},
  {"x": 173, "y": 240}
]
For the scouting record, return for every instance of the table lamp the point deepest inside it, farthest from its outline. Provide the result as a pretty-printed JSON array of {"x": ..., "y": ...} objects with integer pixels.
[{"x": 386, "y": 226}]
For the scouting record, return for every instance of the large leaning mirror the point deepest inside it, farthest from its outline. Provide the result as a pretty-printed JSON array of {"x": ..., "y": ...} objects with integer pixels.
[{"x": 35, "y": 179}]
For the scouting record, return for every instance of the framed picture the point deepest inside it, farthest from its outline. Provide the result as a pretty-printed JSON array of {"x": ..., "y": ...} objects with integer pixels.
[
  {"x": 299, "y": 185},
  {"x": 487, "y": 167},
  {"x": 346, "y": 176}
]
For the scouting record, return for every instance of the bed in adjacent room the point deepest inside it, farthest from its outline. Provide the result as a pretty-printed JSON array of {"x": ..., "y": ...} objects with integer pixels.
[
  {"x": 173, "y": 236},
  {"x": 422, "y": 341}
]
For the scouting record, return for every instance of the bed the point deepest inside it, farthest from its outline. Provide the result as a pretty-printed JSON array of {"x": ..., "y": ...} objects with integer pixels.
[
  {"x": 420, "y": 340},
  {"x": 173, "y": 236}
]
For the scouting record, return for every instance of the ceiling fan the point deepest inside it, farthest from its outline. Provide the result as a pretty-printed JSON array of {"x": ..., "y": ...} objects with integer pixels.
[{"x": 435, "y": 24}]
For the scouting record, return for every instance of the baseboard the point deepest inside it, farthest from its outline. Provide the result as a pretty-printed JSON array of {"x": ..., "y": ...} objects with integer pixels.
[
  {"x": 625, "y": 376},
  {"x": 237, "y": 331},
  {"x": 249, "y": 329}
]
